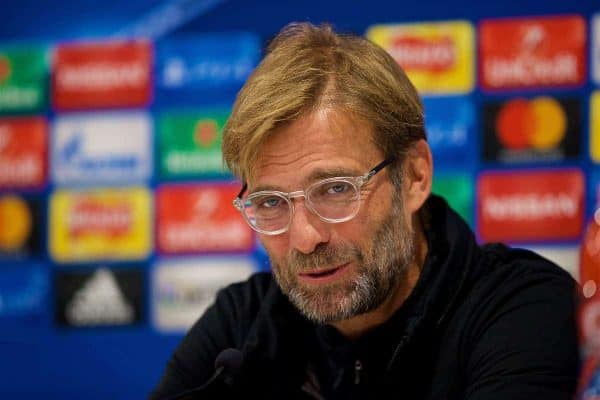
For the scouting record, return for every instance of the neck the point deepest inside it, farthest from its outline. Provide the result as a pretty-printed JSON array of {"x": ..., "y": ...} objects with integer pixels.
[{"x": 359, "y": 325}]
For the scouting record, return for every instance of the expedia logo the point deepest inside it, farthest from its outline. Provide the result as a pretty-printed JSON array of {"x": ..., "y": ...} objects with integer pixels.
[
  {"x": 531, "y": 206},
  {"x": 424, "y": 54},
  {"x": 5, "y": 69},
  {"x": 89, "y": 216}
]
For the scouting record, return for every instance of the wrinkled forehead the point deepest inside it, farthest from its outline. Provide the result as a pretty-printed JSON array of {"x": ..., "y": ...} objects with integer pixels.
[
  {"x": 319, "y": 135},
  {"x": 315, "y": 146}
]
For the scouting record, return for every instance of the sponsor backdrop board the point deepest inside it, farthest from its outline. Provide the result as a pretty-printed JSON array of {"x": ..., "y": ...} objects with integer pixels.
[
  {"x": 182, "y": 289},
  {"x": 116, "y": 223}
]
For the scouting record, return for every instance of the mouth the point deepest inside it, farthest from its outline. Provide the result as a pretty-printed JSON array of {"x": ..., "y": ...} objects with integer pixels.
[{"x": 324, "y": 275}]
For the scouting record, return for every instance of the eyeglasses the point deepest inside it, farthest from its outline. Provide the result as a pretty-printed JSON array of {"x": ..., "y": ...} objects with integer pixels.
[{"x": 333, "y": 200}]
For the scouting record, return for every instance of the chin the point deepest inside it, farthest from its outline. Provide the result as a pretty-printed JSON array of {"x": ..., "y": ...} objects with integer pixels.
[{"x": 328, "y": 304}]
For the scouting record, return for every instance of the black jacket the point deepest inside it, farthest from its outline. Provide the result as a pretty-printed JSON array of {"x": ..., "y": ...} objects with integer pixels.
[{"x": 482, "y": 323}]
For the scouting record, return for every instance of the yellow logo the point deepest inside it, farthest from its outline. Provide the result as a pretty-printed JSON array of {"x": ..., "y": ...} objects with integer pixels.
[
  {"x": 101, "y": 224},
  {"x": 595, "y": 126},
  {"x": 437, "y": 57}
]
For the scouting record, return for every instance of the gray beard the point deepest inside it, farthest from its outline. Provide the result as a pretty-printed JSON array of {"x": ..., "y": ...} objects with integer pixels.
[{"x": 381, "y": 270}]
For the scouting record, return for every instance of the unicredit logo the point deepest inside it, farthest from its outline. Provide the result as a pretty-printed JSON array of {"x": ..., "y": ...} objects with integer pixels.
[
  {"x": 544, "y": 51},
  {"x": 531, "y": 70},
  {"x": 418, "y": 53},
  {"x": 102, "y": 76}
]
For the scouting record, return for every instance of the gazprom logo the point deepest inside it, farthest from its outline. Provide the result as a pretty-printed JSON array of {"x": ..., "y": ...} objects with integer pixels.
[
  {"x": 102, "y": 148},
  {"x": 74, "y": 154}
]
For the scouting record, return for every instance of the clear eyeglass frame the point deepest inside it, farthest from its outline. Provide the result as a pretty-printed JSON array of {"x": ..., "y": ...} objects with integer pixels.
[{"x": 356, "y": 182}]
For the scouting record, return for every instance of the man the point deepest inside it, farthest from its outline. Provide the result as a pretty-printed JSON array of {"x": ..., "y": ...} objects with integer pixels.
[{"x": 379, "y": 290}]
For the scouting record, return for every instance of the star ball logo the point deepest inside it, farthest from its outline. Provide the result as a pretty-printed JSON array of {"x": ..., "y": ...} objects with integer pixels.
[{"x": 539, "y": 129}]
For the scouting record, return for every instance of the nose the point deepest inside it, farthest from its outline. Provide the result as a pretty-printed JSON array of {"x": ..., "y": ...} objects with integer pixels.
[{"x": 306, "y": 230}]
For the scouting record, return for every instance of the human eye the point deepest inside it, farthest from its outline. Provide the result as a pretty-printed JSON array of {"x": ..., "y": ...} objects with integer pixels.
[
  {"x": 337, "y": 188},
  {"x": 268, "y": 202},
  {"x": 333, "y": 190}
]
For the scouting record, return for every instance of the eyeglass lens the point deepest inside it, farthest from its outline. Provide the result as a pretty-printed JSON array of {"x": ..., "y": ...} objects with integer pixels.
[{"x": 332, "y": 200}]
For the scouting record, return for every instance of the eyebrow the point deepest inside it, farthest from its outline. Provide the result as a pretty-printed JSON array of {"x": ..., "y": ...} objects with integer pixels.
[{"x": 316, "y": 175}]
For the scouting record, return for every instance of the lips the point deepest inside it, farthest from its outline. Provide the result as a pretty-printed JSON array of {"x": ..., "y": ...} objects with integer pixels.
[{"x": 323, "y": 275}]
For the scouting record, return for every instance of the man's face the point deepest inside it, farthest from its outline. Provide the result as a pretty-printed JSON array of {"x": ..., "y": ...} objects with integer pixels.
[{"x": 333, "y": 272}]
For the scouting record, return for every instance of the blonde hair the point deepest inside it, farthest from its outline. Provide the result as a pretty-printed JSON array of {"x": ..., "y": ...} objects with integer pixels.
[{"x": 307, "y": 68}]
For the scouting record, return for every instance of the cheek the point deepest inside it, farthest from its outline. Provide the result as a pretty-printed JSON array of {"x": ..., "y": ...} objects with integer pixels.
[
  {"x": 276, "y": 246},
  {"x": 376, "y": 207}
]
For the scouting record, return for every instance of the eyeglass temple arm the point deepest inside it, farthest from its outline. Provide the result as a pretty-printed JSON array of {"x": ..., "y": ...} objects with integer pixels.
[
  {"x": 239, "y": 196},
  {"x": 379, "y": 167}
]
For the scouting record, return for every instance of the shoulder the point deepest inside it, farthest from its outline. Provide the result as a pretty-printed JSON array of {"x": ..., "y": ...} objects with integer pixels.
[
  {"x": 521, "y": 316},
  {"x": 499, "y": 263},
  {"x": 515, "y": 333},
  {"x": 514, "y": 280},
  {"x": 520, "y": 269},
  {"x": 508, "y": 281}
]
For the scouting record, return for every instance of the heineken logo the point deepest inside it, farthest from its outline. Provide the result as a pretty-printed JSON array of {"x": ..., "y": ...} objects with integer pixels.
[
  {"x": 205, "y": 132},
  {"x": 4, "y": 69}
]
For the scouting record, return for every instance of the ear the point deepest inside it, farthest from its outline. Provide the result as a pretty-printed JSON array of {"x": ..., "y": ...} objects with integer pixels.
[{"x": 418, "y": 175}]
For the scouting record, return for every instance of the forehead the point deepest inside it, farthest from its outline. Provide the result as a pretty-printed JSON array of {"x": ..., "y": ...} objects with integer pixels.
[{"x": 320, "y": 144}]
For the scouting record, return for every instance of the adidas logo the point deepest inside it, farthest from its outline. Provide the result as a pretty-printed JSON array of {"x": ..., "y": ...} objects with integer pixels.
[{"x": 99, "y": 302}]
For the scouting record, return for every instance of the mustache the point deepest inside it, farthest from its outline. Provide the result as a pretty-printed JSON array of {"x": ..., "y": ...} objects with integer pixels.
[{"x": 324, "y": 255}]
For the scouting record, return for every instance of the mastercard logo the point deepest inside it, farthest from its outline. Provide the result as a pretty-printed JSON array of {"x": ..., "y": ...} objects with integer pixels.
[
  {"x": 539, "y": 124},
  {"x": 15, "y": 223}
]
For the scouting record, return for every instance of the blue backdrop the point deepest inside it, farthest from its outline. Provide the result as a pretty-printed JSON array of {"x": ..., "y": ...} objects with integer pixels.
[{"x": 40, "y": 357}]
